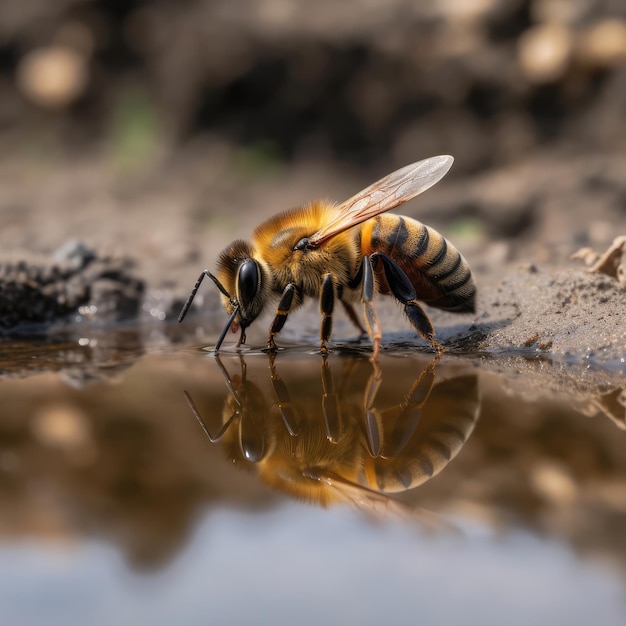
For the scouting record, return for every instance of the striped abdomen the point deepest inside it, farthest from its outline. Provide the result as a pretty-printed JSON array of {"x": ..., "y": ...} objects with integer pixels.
[{"x": 439, "y": 273}]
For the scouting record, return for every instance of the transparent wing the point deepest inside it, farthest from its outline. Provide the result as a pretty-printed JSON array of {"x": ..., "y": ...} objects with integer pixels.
[
  {"x": 380, "y": 505},
  {"x": 387, "y": 193}
]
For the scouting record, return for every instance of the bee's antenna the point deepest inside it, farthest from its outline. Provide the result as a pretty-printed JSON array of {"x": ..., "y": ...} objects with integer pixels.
[
  {"x": 228, "y": 323},
  {"x": 192, "y": 295},
  {"x": 196, "y": 413},
  {"x": 229, "y": 382}
]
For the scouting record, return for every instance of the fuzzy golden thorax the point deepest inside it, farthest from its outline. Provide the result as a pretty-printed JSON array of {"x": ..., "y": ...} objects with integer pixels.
[{"x": 275, "y": 242}]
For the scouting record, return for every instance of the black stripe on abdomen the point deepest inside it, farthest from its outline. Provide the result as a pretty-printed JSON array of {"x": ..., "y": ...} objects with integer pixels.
[
  {"x": 439, "y": 257},
  {"x": 385, "y": 238}
]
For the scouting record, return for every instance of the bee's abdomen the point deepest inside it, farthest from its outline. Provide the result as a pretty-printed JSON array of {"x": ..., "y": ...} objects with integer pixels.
[{"x": 441, "y": 276}]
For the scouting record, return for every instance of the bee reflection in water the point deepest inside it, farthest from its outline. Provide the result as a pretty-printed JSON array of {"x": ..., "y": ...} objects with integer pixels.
[{"x": 330, "y": 442}]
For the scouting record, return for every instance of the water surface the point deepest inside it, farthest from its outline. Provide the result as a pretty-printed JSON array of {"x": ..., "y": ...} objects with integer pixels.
[{"x": 162, "y": 484}]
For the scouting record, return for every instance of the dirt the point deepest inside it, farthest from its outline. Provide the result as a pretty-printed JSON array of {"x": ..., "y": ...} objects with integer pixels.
[{"x": 74, "y": 284}]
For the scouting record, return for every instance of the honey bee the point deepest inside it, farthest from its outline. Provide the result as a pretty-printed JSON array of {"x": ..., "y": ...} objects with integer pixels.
[
  {"x": 346, "y": 252},
  {"x": 346, "y": 440}
]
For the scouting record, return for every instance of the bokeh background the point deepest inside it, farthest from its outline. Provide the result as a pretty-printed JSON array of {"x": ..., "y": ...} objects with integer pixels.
[{"x": 489, "y": 81}]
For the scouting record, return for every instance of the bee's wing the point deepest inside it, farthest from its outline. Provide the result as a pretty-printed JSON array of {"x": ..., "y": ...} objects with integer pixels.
[
  {"x": 387, "y": 193},
  {"x": 379, "y": 505}
]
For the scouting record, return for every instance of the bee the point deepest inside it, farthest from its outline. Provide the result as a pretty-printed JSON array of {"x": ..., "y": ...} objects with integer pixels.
[
  {"x": 346, "y": 252},
  {"x": 346, "y": 439}
]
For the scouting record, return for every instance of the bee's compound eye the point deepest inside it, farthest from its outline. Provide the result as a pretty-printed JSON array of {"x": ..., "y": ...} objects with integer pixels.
[
  {"x": 248, "y": 281},
  {"x": 302, "y": 244}
]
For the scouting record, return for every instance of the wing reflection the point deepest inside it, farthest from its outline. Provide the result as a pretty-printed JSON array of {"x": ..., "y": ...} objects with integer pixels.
[{"x": 354, "y": 436}]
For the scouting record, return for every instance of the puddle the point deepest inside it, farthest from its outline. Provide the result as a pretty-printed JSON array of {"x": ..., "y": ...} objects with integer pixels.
[{"x": 142, "y": 482}]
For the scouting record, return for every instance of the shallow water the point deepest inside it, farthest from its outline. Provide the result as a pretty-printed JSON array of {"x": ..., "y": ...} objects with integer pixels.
[{"x": 160, "y": 484}]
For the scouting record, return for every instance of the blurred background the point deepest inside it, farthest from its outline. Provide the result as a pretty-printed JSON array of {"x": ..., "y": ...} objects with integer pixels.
[
  {"x": 489, "y": 81},
  {"x": 161, "y": 129}
]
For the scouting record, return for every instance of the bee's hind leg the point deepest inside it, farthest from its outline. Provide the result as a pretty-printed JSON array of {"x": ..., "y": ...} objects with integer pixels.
[
  {"x": 403, "y": 291},
  {"x": 327, "y": 304},
  {"x": 354, "y": 318},
  {"x": 419, "y": 320}
]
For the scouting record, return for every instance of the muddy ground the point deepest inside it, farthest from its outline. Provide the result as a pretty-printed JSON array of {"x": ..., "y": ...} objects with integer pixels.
[{"x": 118, "y": 192}]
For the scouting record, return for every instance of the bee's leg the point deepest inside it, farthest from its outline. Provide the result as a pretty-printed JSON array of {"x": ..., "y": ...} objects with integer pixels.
[
  {"x": 327, "y": 304},
  {"x": 371, "y": 319},
  {"x": 283, "y": 399},
  {"x": 410, "y": 413},
  {"x": 282, "y": 311},
  {"x": 403, "y": 291},
  {"x": 373, "y": 418},
  {"x": 354, "y": 318},
  {"x": 330, "y": 404}
]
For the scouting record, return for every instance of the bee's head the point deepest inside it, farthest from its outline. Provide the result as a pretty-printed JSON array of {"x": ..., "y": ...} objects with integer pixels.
[{"x": 243, "y": 279}]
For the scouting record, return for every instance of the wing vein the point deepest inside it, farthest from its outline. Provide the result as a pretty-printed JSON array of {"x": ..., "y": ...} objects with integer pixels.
[{"x": 385, "y": 194}]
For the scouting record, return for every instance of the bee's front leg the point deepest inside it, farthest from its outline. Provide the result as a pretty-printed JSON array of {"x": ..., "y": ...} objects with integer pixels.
[{"x": 282, "y": 311}]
